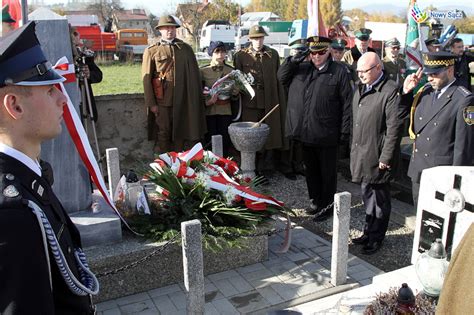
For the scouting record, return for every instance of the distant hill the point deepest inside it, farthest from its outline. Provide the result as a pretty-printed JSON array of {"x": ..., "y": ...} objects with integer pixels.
[{"x": 397, "y": 9}]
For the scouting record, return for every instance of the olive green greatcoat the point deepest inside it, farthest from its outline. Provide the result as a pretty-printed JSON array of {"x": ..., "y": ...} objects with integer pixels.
[
  {"x": 395, "y": 70},
  {"x": 457, "y": 296},
  {"x": 183, "y": 90},
  {"x": 268, "y": 92}
]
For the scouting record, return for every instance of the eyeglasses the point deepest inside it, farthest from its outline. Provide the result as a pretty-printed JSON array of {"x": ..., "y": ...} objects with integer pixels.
[
  {"x": 366, "y": 71},
  {"x": 321, "y": 52}
]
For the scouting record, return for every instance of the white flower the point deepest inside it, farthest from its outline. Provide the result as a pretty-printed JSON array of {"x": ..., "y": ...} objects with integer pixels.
[{"x": 229, "y": 195}]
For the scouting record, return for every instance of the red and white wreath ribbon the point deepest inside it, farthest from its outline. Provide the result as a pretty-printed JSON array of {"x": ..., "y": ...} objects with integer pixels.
[{"x": 79, "y": 136}]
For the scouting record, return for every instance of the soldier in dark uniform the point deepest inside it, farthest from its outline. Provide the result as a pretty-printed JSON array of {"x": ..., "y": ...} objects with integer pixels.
[
  {"x": 41, "y": 264},
  {"x": 394, "y": 66},
  {"x": 263, "y": 62},
  {"x": 218, "y": 108},
  {"x": 461, "y": 65},
  {"x": 338, "y": 48},
  {"x": 441, "y": 118},
  {"x": 319, "y": 113},
  {"x": 433, "y": 44},
  {"x": 173, "y": 91}
]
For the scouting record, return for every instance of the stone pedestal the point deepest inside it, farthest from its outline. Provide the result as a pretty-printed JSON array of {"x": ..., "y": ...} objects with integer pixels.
[{"x": 248, "y": 139}]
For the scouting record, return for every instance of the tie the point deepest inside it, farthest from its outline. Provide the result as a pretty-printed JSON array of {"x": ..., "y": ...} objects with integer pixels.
[{"x": 435, "y": 96}]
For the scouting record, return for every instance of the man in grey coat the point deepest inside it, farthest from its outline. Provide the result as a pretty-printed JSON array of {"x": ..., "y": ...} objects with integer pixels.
[{"x": 375, "y": 131}]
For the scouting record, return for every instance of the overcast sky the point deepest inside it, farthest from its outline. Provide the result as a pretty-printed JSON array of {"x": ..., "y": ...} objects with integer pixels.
[{"x": 158, "y": 7}]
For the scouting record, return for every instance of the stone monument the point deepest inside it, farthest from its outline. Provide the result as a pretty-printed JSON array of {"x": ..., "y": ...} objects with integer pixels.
[{"x": 445, "y": 207}]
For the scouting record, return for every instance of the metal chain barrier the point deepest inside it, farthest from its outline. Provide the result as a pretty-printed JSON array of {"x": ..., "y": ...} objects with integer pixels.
[
  {"x": 231, "y": 236},
  {"x": 141, "y": 260}
]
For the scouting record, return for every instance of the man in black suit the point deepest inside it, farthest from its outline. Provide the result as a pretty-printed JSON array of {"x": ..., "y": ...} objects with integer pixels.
[
  {"x": 42, "y": 269},
  {"x": 441, "y": 118}
]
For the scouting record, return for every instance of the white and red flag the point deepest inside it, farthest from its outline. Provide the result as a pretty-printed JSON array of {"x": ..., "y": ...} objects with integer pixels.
[{"x": 315, "y": 21}]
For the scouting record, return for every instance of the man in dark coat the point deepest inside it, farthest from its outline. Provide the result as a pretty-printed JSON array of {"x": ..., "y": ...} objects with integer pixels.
[
  {"x": 177, "y": 112},
  {"x": 263, "y": 62},
  {"x": 318, "y": 116},
  {"x": 38, "y": 241},
  {"x": 441, "y": 118},
  {"x": 394, "y": 65},
  {"x": 461, "y": 65},
  {"x": 375, "y": 131}
]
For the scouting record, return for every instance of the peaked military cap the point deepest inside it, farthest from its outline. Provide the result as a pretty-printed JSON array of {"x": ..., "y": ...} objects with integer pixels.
[
  {"x": 432, "y": 41},
  {"x": 435, "y": 62},
  {"x": 392, "y": 42},
  {"x": 318, "y": 43},
  {"x": 22, "y": 60},
  {"x": 363, "y": 34},
  {"x": 167, "y": 20},
  {"x": 339, "y": 43},
  {"x": 6, "y": 17},
  {"x": 214, "y": 45},
  {"x": 299, "y": 44},
  {"x": 257, "y": 31}
]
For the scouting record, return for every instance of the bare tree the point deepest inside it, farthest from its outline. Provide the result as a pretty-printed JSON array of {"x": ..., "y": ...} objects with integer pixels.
[{"x": 105, "y": 9}]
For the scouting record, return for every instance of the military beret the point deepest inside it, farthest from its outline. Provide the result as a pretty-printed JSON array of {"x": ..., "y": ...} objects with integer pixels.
[
  {"x": 392, "y": 42},
  {"x": 6, "y": 17},
  {"x": 434, "y": 62},
  {"x": 363, "y": 34},
  {"x": 318, "y": 43},
  {"x": 339, "y": 44},
  {"x": 22, "y": 60},
  {"x": 214, "y": 45},
  {"x": 257, "y": 31}
]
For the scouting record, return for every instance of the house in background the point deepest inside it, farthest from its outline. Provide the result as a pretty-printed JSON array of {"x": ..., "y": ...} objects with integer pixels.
[
  {"x": 135, "y": 18},
  {"x": 190, "y": 16}
]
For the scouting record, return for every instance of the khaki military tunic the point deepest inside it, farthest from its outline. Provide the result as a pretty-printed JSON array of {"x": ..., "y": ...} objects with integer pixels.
[{"x": 209, "y": 75}]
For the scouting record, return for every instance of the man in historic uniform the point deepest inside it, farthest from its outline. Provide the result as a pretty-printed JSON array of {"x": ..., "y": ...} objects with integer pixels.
[
  {"x": 375, "y": 145},
  {"x": 41, "y": 271},
  {"x": 461, "y": 65},
  {"x": 173, "y": 91},
  {"x": 393, "y": 64},
  {"x": 262, "y": 62},
  {"x": 319, "y": 114},
  {"x": 441, "y": 118},
  {"x": 362, "y": 39}
]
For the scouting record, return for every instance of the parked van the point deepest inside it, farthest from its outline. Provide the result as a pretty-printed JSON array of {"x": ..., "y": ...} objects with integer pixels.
[{"x": 217, "y": 30}]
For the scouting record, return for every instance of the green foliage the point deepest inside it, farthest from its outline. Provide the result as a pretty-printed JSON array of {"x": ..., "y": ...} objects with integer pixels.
[
  {"x": 119, "y": 79},
  {"x": 331, "y": 12}
]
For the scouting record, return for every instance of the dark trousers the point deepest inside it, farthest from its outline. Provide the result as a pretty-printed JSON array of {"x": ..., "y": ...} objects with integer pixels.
[
  {"x": 321, "y": 173},
  {"x": 378, "y": 206},
  {"x": 218, "y": 125},
  {"x": 415, "y": 191}
]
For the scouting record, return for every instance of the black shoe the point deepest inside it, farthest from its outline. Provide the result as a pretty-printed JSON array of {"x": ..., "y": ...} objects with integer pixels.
[
  {"x": 362, "y": 240},
  {"x": 319, "y": 217},
  {"x": 312, "y": 209},
  {"x": 371, "y": 248},
  {"x": 290, "y": 175}
]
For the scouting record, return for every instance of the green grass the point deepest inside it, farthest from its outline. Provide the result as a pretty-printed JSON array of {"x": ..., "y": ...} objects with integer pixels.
[{"x": 118, "y": 78}]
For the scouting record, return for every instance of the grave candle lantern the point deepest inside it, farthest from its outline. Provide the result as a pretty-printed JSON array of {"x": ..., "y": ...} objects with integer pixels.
[{"x": 431, "y": 269}]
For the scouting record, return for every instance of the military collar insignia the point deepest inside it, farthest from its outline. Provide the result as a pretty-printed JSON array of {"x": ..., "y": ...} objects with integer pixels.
[
  {"x": 468, "y": 115},
  {"x": 11, "y": 191}
]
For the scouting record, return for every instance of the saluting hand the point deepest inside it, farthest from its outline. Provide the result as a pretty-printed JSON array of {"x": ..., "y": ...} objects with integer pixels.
[
  {"x": 412, "y": 81},
  {"x": 383, "y": 166}
]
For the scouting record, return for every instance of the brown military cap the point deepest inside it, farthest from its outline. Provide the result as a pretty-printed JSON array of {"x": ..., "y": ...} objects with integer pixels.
[
  {"x": 257, "y": 31},
  {"x": 167, "y": 20}
]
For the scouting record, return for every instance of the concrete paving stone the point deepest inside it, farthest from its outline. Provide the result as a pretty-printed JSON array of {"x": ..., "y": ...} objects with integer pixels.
[
  {"x": 356, "y": 268},
  {"x": 303, "y": 261},
  {"x": 249, "y": 302},
  {"x": 135, "y": 298},
  {"x": 138, "y": 307},
  {"x": 223, "y": 306},
  {"x": 223, "y": 275},
  {"x": 209, "y": 287},
  {"x": 107, "y": 305},
  {"x": 260, "y": 283},
  {"x": 353, "y": 260},
  {"x": 300, "y": 280},
  {"x": 178, "y": 299},
  {"x": 270, "y": 295},
  {"x": 259, "y": 274},
  {"x": 298, "y": 256},
  {"x": 300, "y": 272},
  {"x": 307, "y": 243},
  {"x": 164, "y": 304},
  {"x": 309, "y": 288},
  {"x": 148, "y": 312},
  {"x": 225, "y": 287},
  {"x": 164, "y": 290},
  {"x": 327, "y": 254},
  {"x": 312, "y": 267},
  {"x": 273, "y": 262},
  {"x": 250, "y": 268},
  {"x": 210, "y": 309},
  {"x": 363, "y": 275},
  {"x": 213, "y": 295},
  {"x": 240, "y": 284},
  {"x": 288, "y": 291},
  {"x": 365, "y": 282},
  {"x": 325, "y": 263},
  {"x": 113, "y": 311},
  {"x": 286, "y": 276}
]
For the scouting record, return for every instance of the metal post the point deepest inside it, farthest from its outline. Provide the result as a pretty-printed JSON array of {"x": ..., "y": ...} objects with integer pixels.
[
  {"x": 193, "y": 266},
  {"x": 113, "y": 169},
  {"x": 340, "y": 248}
]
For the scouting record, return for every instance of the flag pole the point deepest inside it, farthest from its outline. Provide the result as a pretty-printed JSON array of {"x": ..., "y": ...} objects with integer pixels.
[{"x": 24, "y": 12}]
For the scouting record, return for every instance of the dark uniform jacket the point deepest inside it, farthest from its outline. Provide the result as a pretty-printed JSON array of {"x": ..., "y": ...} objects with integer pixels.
[
  {"x": 319, "y": 102},
  {"x": 182, "y": 89},
  {"x": 461, "y": 70},
  {"x": 376, "y": 127},
  {"x": 24, "y": 275},
  {"x": 442, "y": 135},
  {"x": 263, "y": 66},
  {"x": 395, "y": 71}
]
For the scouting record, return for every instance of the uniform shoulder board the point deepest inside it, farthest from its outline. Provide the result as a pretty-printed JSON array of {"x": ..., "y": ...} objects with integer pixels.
[
  {"x": 10, "y": 192},
  {"x": 464, "y": 91},
  {"x": 205, "y": 66}
]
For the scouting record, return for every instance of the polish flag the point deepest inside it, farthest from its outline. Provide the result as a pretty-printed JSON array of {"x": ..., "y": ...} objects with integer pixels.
[{"x": 315, "y": 21}]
